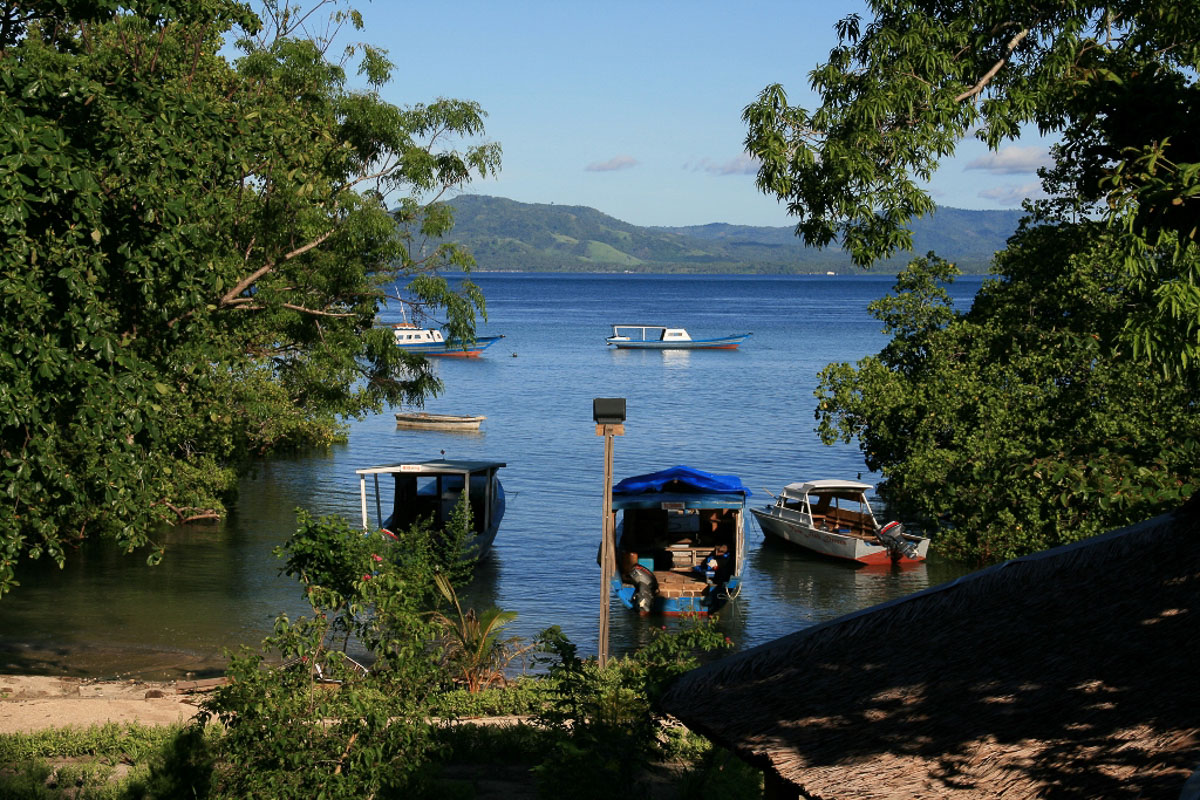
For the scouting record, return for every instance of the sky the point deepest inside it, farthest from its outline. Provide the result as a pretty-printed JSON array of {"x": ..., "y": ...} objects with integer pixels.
[{"x": 634, "y": 108}]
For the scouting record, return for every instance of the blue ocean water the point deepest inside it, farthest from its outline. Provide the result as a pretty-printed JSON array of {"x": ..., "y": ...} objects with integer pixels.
[{"x": 748, "y": 412}]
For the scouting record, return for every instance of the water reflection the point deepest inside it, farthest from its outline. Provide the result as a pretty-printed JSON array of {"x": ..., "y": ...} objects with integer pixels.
[
  {"x": 820, "y": 589},
  {"x": 747, "y": 412}
]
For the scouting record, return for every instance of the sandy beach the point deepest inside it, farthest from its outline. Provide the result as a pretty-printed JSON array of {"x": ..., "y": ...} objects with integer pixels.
[{"x": 31, "y": 703}]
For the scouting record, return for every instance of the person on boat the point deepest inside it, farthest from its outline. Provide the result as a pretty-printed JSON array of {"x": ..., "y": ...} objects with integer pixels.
[{"x": 715, "y": 565}]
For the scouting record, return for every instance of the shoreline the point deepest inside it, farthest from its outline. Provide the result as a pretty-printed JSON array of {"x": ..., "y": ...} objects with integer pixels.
[
  {"x": 32, "y": 703},
  {"x": 92, "y": 662}
]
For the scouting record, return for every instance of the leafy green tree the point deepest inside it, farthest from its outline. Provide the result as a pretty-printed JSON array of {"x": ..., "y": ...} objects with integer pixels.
[
  {"x": 303, "y": 718},
  {"x": 607, "y": 716},
  {"x": 1116, "y": 80},
  {"x": 196, "y": 252},
  {"x": 1022, "y": 423}
]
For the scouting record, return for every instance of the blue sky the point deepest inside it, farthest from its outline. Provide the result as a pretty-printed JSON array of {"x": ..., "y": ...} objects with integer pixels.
[{"x": 634, "y": 108}]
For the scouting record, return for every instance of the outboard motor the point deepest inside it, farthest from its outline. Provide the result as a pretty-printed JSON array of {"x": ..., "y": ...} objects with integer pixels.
[
  {"x": 892, "y": 537},
  {"x": 645, "y": 587}
]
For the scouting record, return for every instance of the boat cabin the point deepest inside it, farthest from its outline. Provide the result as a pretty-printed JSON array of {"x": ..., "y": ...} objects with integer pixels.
[
  {"x": 648, "y": 333},
  {"x": 832, "y": 505},
  {"x": 408, "y": 334},
  {"x": 431, "y": 490}
]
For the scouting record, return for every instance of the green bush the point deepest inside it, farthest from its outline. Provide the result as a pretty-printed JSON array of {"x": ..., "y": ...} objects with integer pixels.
[{"x": 606, "y": 715}]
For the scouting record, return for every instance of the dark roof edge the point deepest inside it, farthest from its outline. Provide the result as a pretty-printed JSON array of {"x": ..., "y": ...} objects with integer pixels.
[{"x": 714, "y": 671}]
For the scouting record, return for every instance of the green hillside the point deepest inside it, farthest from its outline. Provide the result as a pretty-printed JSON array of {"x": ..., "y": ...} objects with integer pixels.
[{"x": 506, "y": 235}]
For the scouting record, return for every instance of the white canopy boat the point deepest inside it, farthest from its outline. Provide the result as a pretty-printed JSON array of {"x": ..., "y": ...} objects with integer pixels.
[
  {"x": 432, "y": 489},
  {"x": 658, "y": 337},
  {"x": 833, "y": 518}
]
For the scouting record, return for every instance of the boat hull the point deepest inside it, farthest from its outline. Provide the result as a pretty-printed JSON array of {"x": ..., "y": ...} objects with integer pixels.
[
  {"x": 438, "y": 422},
  {"x": 710, "y": 601},
  {"x": 452, "y": 349},
  {"x": 724, "y": 343},
  {"x": 832, "y": 544}
]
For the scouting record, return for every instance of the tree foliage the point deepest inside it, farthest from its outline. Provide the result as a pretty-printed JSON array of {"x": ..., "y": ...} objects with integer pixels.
[
  {"x": 303, "y": 718},
  {"x": 608, "y": 715},
  {"x": 1117, "y": 81},
  {"x": 197, "y": 251},
  {"x": 1023, "y": 423}
]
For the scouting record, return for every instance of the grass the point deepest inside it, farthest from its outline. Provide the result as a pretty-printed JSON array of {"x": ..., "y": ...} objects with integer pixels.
[{"x": 128, "y": 762}]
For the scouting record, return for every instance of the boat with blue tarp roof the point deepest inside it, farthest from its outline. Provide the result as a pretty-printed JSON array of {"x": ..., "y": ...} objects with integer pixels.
[{"x": 680, "y": 540}]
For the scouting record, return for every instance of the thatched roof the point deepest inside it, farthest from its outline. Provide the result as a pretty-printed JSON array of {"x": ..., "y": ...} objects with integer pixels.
[{"x": 1071, "y": 673}]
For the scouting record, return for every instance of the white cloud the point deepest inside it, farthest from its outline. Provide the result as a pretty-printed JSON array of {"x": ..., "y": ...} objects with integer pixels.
[
  {"x": 745, "y": 164},
  {"x": 1012, "y": 160},
  {"x": 1012, "y": 196},
  {"x": 613, "y": 164}
]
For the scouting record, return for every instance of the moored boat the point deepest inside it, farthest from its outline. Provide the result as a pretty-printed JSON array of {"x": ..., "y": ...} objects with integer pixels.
[
  {"x": 431, "y": 342},
  {"x": 834, "y": 518},
  {"x": 680, "y": 541},
  {"x": 430, "y": 490},
  {"x": 423, "y": 420},
  {"x": 657, "y": 337}
]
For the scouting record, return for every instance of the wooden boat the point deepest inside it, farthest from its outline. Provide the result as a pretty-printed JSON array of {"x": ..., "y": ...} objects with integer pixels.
[
  {"x": 680, "y": 541},
  {"x": 423, "y": 420},
  {"x": 432, "y": 489},
  {"x": 833, "y": 518},
  {"x": 431, "y": 342},
  {"x": 657, "y": 337}
]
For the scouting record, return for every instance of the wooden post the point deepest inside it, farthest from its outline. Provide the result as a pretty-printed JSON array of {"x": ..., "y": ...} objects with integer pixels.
[{"x": 608, "y": 549}]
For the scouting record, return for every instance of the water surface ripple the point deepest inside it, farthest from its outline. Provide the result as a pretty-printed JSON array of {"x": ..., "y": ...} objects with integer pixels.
[{"x": 748, "y": 412}]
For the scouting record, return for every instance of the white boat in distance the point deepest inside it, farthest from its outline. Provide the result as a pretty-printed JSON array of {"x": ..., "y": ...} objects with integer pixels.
[
  {"x": 431, "y": 342},
  {"x": 821, "y": 516},
  {"x": 658, "y": 337},
  {"x": 423, "y": 420}
]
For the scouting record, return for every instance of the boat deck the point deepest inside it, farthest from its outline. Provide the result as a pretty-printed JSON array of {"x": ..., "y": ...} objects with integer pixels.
[{"x": 680, "y": 583}]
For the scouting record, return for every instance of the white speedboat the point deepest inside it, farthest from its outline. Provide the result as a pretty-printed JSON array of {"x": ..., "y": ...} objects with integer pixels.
[{"x": 833, "y": 518}]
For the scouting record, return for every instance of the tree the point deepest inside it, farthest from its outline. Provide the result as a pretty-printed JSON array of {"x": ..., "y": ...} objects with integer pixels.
[
  {"x": 1023, "y": 423},
  {"x": 302, "y": 718},
  {"x": 196, "y": 255},
  {"x": 1117, "y": 80}
]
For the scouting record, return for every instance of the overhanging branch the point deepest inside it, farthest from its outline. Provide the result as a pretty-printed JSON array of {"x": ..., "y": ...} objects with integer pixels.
[{"x": 991, "y": 73}]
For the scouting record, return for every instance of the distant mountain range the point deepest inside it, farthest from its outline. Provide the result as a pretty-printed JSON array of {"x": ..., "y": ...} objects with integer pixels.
[{"x": 505, "y": 235}]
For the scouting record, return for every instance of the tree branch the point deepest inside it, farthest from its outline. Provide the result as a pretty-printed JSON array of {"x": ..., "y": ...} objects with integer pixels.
[
  {"x": 231, "y": 296},
  {"x": 991, "y": 73}
]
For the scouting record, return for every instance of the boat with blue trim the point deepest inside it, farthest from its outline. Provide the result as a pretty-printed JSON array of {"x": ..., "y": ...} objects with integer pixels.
[
  {"x": 431, "y": 342},
  {"x": 430, "y": 490},
  {"x": 658, "y": 337},
  {"x": 680, "y": 541}
]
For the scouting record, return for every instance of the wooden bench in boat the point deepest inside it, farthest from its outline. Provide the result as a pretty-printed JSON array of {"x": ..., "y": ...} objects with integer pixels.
[
  {"x": 679, "y": 583},
  {"x": 846, "y": 522}
]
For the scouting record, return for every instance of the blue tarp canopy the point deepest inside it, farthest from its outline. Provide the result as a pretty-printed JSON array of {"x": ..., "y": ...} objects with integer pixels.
[{"x": 681, "y": 480}]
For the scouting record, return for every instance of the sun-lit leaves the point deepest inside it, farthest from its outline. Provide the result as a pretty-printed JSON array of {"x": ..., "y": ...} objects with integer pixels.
[
  {"x": 195, "y": 255},
  {"x": 1025, "y": 422},
  {"x": 1117, "y": 81}
]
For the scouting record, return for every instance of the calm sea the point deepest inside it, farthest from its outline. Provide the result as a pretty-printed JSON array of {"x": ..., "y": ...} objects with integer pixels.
[{"x": 747, "y": 412}]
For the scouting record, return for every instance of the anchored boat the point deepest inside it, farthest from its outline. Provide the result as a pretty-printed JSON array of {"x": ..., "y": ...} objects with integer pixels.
[
  {"x": 423, "y": 420},
  {"x": 431, "y": 342},
  {"x": 680, "y": 540},
  {"x": 657, "y": 337},
  {"x": 833, "y": 518},
  {"x": 431, "y": 490}
]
